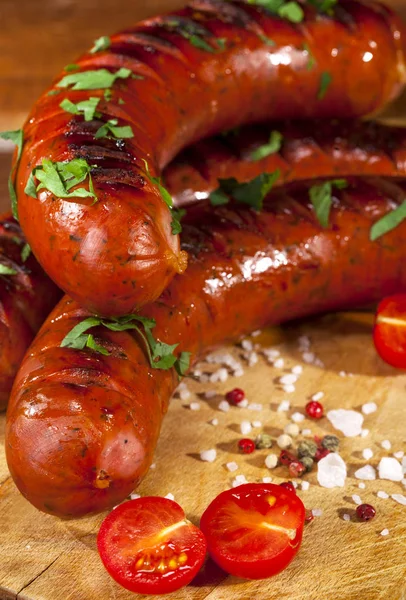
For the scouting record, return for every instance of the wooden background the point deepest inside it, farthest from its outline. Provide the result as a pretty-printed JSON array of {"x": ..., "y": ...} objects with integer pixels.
[{"x": 42, "y": 558}]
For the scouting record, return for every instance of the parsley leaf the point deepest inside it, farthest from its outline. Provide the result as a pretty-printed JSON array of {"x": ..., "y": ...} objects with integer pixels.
[
  {"x": 110, "y": 129},
  {"x": 160, "y": 354},
  {"x": 86, "y": 107},
  {"x": 158, "y": 182},
  {"x": 71, "y": 67},
  {"x": 311, "y": 61},
  {"x": 17, "y": 137},
  {"x": 325, "y": 81},
  {"x": 324, "y": 6},
  {"x": 194, "y": 34},
  {"x": 102, "y": 43},
  {"x": 388, "y": 222},
  {"x": 177, "y": 214},
  {"x": 60, "y": 177},
  {"x": 252, "y": 193},
  {"x": 274, "y": 145},
  {"x": 291, "y": 11},
  {"x": 25, "y": 252},
  {"x": 320, "y": 197},
  {"x": 4, "y": 270},
  {"x": 100, "y": 79}
]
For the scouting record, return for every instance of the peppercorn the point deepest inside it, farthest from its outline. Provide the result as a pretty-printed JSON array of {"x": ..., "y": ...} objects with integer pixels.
[
  {"x": 285, "y": 458},
  {"x": 246, "y": 446},
  {"x": 263, "y": 440},
  {"x": 365, "y": 512},
  {"x": 296, "y": 468},
  {"x": 307, "y": 462},
  {"x": 307, "y": 448},
  {"x": 331, "y": 442}
]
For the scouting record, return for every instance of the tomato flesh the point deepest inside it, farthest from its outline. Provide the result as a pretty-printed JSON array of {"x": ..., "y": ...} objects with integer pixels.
[
  {"x": 254, "y": 531},
  {"x": 149, "y": 547},
  {"x": 390, "y": 330}
]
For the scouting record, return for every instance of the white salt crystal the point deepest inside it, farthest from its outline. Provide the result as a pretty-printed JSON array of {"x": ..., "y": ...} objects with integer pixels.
[
  {"x": 308, "y": 357},
  {"x": 208, "y": 455},
  {"x": 399, "y": 498},
  {"x": 367, "y": 453},
  {"x": 271, "y": 352},
  {"x": 224, "y": 406},
  {"x": 317, "y": 396},
  {"x": 288, "y": 379},
  {"x": 256, "y": 333},
  {"x": 386, "y": 445},
  {"x": 349, "y": 422},
  {"x": 369, "y": 408},
  {"x": 245, "y": 427},
  {"x": 284, "y": 406},
  {"x": 364, "y": 433},
  {"x": 267, "y": 480},
  {"x": 385, "y": 532},
  {"x": 239, "y": 480},
  {"x": 317, "y": 512},
  {"x": 342, "y": 374},
  {"x": 214, "y": 422},
  {"x": 256, "y": 423},
  {"x": 222, "y": 375},
  {"x": 271, "y": 461},
  {"x": 304, "y": 340},
  {"x": 194, "y": 406},
  {"x": 305, "y": 485},
  {"x": 399, "y": 454},
  {"x": 288, "y": 389},
  {"x": 135, "y": 496},
  {"x": 279, "y": 363},
  {"x": 356, "y": 499},
  {"x": 153, "y": 466},
  {"x": 382, "y": 494},
  {"x": 247, "y": 345},
  {"x": 291, "y": 429},
  {"x": 232, "y": 466},
  {"x": 210, "y": 394},
  {"x": 252, "y": 359},
  {"x": 284, "y": 441},
  {"x": 346, "y": 517},
  {"x": 184, "y": 394},
  {"x": 390, "y": 468},
  {"x": 297, "y": 417},
  {"x": 306, "y": 432},
  {"x": 331, "y": 471},
  {"x": 297, "y": 369},
  {"x": 254, "y": 406},
  {"x": 243, "y": 403},
  {"x": 170, "y": 496},
  {"x": 362, "y": 485},
  {"x": 238, "y": 372}
]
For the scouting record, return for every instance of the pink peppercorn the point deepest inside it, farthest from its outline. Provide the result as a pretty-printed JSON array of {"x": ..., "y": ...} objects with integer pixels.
[
  {"x": 296, "y": 468},
  {"x": 235, "y": 396},
  {"x": 246, "y": 446},
  {"x": 321, "y": 453},
  {"x": 314, "y": 409},
  {"x": 365, "y": 512},
  {"x": 285, "y": 458}
]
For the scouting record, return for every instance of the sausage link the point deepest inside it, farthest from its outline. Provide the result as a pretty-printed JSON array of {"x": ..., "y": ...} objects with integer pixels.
[
  {"x": 82, "y": 427},
  {"x": 26, "y": 298},
  {"x": 208, "y": 67}
]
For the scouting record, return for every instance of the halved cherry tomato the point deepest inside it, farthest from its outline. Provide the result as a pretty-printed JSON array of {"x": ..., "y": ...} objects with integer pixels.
[
  {"x": 390, "y": 330},
  {"x": 254, "y": 530},
  {"x": 149, "y": 547}
]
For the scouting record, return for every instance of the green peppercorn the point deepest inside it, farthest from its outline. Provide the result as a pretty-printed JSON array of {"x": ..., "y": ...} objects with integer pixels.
[
  {"x": 263, "y": 440},
  {"x": 307, "y": 448},
  {"x": 330, "y": 442},
  {"x": 307, "y": 462}
]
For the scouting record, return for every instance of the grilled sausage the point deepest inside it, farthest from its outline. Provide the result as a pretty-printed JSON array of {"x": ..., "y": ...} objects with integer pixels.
[
  {"x": 82, "y": 426},
  {"x": 210, "y": 66}
]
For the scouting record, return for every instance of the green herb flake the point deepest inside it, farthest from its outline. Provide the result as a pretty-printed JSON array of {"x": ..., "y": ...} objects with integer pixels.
[
  {"x": 325, "y": 81},
  {"x": 218, "y": 198},
  {"x": 193, "y": 33},
  {"x": 54, "y": 92},
  {"x": 291, "y": 11},
  {"x": 273, "y": 146},
  {"x": 158, "y": 182},
  {"x": 25, "y": 252},
  {"x": 93, "y": 80},
  {"x": 177, "y": 214},
  {"x": 324, "y": 6},
  {"x": 160, "y": 354},
  {"x": 58, "y": 178},
  {"x": 71, "y": 67},
  {"x": 86, "y": 107},
  {"x": 252, "y": 193},
  {"x": 311, "y": 60},
  {"x": 388, "y": 222},
  {"x": 102, "y": 43},
  {"x": 4, "y": 270},
  {"x": 321, "y": 199},
  {"x": 17, "y": 137},
  {"x": 110, "y": 129}
]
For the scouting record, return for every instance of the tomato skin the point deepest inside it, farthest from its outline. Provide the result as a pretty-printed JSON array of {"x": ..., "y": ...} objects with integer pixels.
[
  {"x": 390, "y": 337},
  {"x": 239, "y": 544},
  {"x": 132, "y": 534}
]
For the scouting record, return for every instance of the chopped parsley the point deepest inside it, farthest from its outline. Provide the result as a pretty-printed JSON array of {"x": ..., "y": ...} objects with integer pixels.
[
  {"x": 17, "y": 137},
  {"x": 311, "y": 60},
  {"x": 86, "y": 107},
  {"x": 102, "y": 43},
  {"x": 100, "y": 79},
  {"x": 58, "y": 178},
  {"x": 110, "y": 129},
  {"x": 388, "y": 222},
  {"x": 167, "y": 198},
  {"x": 25, "y": 252},
  {"x": 71, "y": 67},
  {"x": 321, "y": 198},
  {"x": 274, "y": 145},
  {"x": 160, "y": 354},
  {"x": 324, "y": 6},
  {"x": 252, "y": 193},
  {"x": 325, "y": 81},
  {"x": 4, "y": 270},
  {"x": 291, "y": 11},
  {"x": 195, "y": 34}
]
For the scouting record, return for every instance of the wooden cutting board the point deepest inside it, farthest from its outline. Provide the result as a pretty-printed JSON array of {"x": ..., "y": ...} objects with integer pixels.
[{"x": 42, "y": 558}]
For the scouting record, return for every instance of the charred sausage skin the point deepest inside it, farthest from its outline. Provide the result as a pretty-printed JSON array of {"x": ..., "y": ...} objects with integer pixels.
[
  {"x": 252, "y": 66},
  {"x": 82, "y": 427},
  {"x": 26, "y": 297}
]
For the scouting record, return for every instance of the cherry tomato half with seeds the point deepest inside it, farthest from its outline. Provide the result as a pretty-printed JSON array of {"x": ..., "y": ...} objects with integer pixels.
[
  {"x": 254, "y": 530},
  {"x": 390, "y": 330},
  {"x": 149, "y": 547}
]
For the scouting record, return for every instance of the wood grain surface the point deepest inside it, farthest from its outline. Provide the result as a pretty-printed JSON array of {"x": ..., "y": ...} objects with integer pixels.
[{"x": 42, "y": 558}]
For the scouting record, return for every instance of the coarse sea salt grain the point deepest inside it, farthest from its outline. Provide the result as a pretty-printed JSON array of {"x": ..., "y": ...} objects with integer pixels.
[
  {"x": 306, "y": 432},
  {"x": 297, "y": 417},
  {"x": 210, "y": 394},
  {"x": 194, "y": 406},
  {"x": 214, "y": 422},
  {"x": 267, "y": 480},
  {"x": 385, "y": 532},
  {"x": 291, "y": 429},
  {"x": 356, "y": 499},
  {"x": 184, "y": 394},
  {"x": 399, "y": 454},
  {"x": 331, "y": 471},
  {"x": 256, "y": 424},
  {"x": 349, "y": 422},
  {"x": 135, "y": 496},
  {"x": 317, "y": 512},
  {"x": 367, "y": 453},
  {"x": 243, "y": 403},
  {"x": 305, "y": 485},
  {"x": 382, "y": 494},
  {"x": 386, "y": 445},
  {"x": 288, "y": 389},
  {"x": 170, "y": 496},
  {"x": 364, "y": 433},
  {"x": 346, "y": 517},
  {"x": 208, "y": 455},
  {"x": 239, "y": 480},
  {"x": 317, "y": 396},
  {"x": 369, "y": 407},
  {"x": 284, "y": 406},
  {"x": 254, "y": 406},
  {"x": 279, "y": 363},
  {"x": 245, "y": 427},
  {"x": 297, "y": 369},
  {"x": 232, "y": 466},
  {"x": 390, "y": 468},
  {"x": 308, "y": 357},
  {"x": 247, "y": 345},
  {"x": 288, "y": 379},
  {"x": 224, "y": 406},
  {"x": 362, "y": 485},
  {"x": 399, "y": 498}
]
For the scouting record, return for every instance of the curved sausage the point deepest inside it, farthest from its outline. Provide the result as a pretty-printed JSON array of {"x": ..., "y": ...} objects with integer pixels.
[
  {"x": 82, "y": 427},
  {"x": 175, "y": 79},
  {"x": 26, "y": 297}
]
